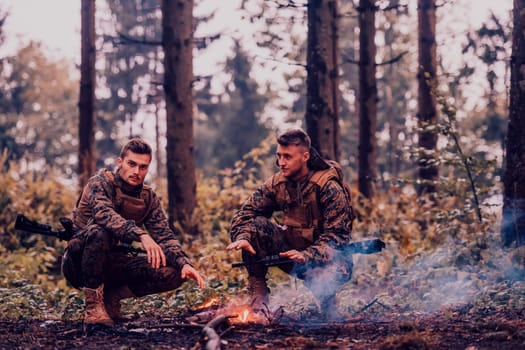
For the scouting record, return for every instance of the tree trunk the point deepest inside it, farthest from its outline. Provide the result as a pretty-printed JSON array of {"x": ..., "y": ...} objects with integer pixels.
[
  {"x": 321, "y": 117},
  {"x": 367, "y": 99},
  {"x": 393, "y": 156},
  {"x": 427, "y": 114},
  {"x": 86, "y": 102},
  {"x": 513, "y": 222},
  {"x": 177, "y": 41}
]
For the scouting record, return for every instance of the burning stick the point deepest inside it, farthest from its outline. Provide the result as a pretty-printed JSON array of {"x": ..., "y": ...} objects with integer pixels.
[{"x": 237, "y": 313}]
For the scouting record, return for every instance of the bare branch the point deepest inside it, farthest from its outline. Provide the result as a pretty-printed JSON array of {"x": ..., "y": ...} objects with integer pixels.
[
  {"x": 393, "y": 59},
  {"x": 126, "y": 39},
  {"x": 290, "y": 63},
  {"x": 290, "y": 4},
  {"x": 394, "y": 8},
  {"x": 347, "y": 59}
]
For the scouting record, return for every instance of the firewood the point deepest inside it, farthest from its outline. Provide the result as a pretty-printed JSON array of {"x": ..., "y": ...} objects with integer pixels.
[{"x": 214, "y": 340}]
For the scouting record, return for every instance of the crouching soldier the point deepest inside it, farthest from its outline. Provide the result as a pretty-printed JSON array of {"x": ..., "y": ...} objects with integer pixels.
[
  {"x": 118, "y": 207},
  {"x": 317, "y": 220}
]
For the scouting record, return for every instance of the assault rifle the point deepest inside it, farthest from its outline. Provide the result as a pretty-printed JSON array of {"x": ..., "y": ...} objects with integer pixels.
[
  {"x": 22, "y": 223},
  {"x": 369, "y": 246},
  {"x": 271, "y": 260}
]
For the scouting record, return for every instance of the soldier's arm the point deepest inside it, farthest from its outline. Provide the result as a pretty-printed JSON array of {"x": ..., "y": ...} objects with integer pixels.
[
  {"x": 261, "y": 203},
  {"x": 104, "y": 214},
  {"x": 337, "y": 222},
  {"x": 157, "y": 226}
]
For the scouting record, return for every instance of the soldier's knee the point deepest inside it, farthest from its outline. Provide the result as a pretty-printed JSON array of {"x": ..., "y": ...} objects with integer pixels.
[
  {"x": 96, "y": 231},
  {"x": 94, "y": 228},
  {"x": 265, "y": 226},
  {"x": 261, "y": 221},
  {"x": 161, "y": 280}
]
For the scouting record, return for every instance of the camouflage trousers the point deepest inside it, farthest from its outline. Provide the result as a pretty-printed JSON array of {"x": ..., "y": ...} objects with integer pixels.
[
  {"x": 323, "y": 278},
  {"x": 89, "y": 261}
]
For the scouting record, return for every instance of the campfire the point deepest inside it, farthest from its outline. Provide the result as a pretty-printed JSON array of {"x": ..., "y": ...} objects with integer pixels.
[
  {"x": 244, "y": 314},
  {"x": 235, "y": 311},
  {"x": 213, "y": 316}
]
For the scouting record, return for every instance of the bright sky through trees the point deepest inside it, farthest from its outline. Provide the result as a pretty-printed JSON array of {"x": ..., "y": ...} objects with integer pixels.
[{"x": 57, "y": 22}]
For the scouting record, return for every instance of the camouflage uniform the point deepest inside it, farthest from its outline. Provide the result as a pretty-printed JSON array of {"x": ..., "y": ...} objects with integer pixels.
[
  {"x": 91, "y": 258},
  {"x": 324, "y": 228}
]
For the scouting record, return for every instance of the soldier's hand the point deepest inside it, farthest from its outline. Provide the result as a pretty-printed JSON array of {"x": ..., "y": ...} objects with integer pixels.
[
  {"x": 156, "y": 257},
  {"x": 189, "y": 272},
  {"x": 241, "y": 244},
  {"x": 294, "y": 255}
]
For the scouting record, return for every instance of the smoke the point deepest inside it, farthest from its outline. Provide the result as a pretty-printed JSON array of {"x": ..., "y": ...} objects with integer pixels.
[
  {"x": 454, "y": 275},
  {"x": 513, "y": 222}
]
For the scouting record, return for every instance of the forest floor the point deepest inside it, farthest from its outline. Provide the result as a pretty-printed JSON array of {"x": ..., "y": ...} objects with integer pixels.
[
  {"x": 461, "y": 297},
  {"x": 462, "y": 328}
]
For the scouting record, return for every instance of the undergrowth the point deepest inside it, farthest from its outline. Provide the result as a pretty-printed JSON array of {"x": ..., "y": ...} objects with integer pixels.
[{"x": 433, "y": 247}]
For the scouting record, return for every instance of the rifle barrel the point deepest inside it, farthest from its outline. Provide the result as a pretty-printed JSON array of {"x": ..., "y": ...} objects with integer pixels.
[
  {"x": 272, "y": 260},
  {"x": 370, "y": 246},
  {"x": 22, "y": 223}
]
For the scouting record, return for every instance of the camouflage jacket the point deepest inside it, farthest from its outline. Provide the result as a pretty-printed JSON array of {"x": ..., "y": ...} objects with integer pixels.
[
  {"x": 333, "y": 228},
  {"x": 98, "y": 200}
]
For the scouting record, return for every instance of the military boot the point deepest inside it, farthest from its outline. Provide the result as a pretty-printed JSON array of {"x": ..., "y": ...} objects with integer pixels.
[
  {"x": 112, "y": 298},
  {"x": 95, "y": 312},
  {"x": 328, "y": 308},
  {"x": 259, "y": 293}
]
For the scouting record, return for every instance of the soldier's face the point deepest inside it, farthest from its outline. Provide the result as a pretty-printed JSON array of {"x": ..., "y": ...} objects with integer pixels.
[
  {"x": 292, "y": 161},
  {"x": 134, "y": 167}
]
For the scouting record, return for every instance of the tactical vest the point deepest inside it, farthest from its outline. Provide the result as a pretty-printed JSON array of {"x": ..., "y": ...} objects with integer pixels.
[
  {"x": 303, "y": 220},
  {"x": 129, "y": 207}
]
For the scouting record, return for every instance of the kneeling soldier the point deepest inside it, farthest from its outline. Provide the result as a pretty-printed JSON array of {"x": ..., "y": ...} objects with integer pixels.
[
  {"x": 118, "y": 207},
  {"x": 316, "y": 225}
]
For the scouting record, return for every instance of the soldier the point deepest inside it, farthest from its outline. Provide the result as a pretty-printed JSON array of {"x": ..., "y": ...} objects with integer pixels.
[
  {"x": 118, "y": 207},
  {"x": 316, "y": 225}
]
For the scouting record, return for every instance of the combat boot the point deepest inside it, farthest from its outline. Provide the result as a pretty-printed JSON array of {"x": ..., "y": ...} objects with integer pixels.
[
  {"x": 112, "y": 298},
  {"x": 95, "y": 312},
  {"x": 259, "y": 293},
  {"x": 328, "y": 308}
]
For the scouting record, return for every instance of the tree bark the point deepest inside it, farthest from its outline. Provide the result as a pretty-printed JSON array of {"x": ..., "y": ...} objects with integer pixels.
[
  {"x": 86, "y": 103},
  {"x": 177, "y": 41},
  {"x": 367, "y": 99},
  {"x": 513, "y": 221},
  {"x": 322, "y": 121},
  {"x": 427, "y": 114}
]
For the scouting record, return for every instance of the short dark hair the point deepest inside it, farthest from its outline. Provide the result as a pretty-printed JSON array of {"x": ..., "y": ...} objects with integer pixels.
[
  {"x": 135, "y": 145},
  {"x": 295, "y": 137}
]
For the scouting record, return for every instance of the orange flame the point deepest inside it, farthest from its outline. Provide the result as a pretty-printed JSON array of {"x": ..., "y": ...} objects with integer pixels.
[
  {"x": 245, "y": 314},
  {"x": 237, "y": 313},
  {"x": 243, "y": 317}
]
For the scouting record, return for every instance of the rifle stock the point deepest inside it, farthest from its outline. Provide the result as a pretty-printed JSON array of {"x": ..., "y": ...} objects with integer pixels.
[{"x": 370, "y": 246}]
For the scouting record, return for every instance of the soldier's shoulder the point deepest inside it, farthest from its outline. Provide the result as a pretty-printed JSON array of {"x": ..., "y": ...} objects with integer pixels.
[
  {"x": 322, "y": 177},
  {"x": 148, "y": 188},
  {"x": 103, "y": 179},
  {"x": 103, "y": 175},
  {"x": 149, "y": 192},
  {"x": 277, "y": 179}
]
